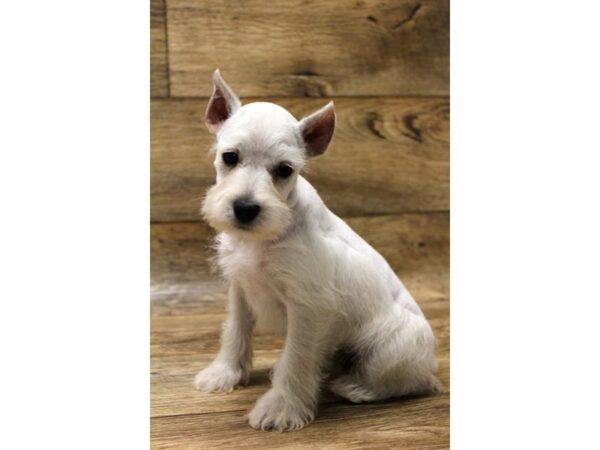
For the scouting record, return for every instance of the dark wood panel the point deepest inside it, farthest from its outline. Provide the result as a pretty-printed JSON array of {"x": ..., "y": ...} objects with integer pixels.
[
  {"x": 388, "y": 155},
  {"x": 159, "y": 81},
  {"x": 310, "y": 48}
]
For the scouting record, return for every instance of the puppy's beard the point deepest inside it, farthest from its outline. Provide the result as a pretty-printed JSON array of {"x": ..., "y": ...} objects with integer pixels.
[{"x": 274, "y": 218}]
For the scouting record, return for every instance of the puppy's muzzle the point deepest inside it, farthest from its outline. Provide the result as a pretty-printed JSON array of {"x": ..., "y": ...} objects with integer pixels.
[{"x": 245, "y": 211}]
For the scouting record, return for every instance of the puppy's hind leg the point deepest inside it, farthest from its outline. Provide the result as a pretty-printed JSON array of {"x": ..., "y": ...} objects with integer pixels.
[{"x": 396, "y": 357}]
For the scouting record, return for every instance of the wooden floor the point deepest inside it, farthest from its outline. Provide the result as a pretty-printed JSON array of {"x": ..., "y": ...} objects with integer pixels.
[{"x": 188, "y": 307}]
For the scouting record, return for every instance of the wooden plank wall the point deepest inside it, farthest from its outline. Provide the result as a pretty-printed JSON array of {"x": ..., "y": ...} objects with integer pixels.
[{"x": 384, "y": 63}]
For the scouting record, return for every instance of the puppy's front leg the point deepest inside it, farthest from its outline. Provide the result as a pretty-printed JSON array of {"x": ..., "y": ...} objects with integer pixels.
[
  {"x": 292, "y": 400},
  {"x": 232, "y": 365}
]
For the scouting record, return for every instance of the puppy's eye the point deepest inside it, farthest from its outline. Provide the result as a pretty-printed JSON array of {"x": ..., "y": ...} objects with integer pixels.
[
  {"x": 284, "y": 171},
  {"x": 230, "y": 158}
]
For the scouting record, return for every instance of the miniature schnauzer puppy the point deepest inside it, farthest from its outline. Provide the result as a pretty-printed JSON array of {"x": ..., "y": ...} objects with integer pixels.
[{"x": 298, "y": 270}]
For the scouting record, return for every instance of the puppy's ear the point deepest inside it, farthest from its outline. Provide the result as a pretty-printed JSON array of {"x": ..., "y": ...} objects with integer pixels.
[
  {"x": 317, "y": 130},
  {"x": 221, "y": 105}
]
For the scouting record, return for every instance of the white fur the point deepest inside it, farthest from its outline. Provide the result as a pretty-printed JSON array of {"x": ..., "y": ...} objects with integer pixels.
[{"x": 303, "y": 272}]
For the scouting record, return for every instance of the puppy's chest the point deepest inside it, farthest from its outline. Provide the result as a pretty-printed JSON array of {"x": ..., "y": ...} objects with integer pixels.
[
  {"x": 264, "y": 292},
  {"x": 245, "y": 263}
]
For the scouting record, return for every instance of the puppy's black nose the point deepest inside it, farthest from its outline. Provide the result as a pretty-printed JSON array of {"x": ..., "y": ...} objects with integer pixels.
[{"x": 245, "y": 210}]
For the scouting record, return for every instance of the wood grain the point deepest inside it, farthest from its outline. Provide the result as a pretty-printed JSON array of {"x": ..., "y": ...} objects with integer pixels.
[
  {"x": 159, "y": 81},
  {"x": 421, "y": 423},
  {"x": 188, "y": 308},
  {"x": 310, "y": 48},
  {"x": 388, "y": 155}
]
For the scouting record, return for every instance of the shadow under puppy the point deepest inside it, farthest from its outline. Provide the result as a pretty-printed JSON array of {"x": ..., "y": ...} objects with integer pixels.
[{"x": 297, "y": 269}]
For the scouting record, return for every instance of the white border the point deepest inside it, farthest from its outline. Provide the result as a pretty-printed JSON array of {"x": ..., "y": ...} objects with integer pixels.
[
  {"x": 74, "y": 238},
  {"x": 525, "y": 224}
]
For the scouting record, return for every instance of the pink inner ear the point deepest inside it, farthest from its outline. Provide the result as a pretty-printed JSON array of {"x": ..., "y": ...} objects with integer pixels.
[
  {"x": 318, "y": 134},
  {"x": 217, "y": 111}
]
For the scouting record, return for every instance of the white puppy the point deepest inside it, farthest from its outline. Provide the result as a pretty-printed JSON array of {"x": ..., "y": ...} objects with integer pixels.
[{"x": 295, "y": 268}]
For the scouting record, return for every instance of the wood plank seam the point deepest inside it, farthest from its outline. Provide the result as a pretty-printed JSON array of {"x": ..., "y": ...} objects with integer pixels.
[
  {"x": 324, "y": 99},
  {"x": 167, "y": 50},
  {"x": 159, "y": 63},
  {"x": 349, "y": 217}
]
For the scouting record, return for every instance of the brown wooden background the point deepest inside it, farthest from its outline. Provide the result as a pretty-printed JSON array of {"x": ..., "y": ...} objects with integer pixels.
[{"x": 386, "y": 66}]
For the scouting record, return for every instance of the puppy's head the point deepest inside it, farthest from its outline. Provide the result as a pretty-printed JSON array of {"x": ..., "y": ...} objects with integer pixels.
[{"x": 260, "y": 149}]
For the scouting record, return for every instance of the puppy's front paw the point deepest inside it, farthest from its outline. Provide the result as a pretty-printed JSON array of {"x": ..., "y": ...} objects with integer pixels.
[
  {"x": 279, "y": 412},
  {"x": 219, "y": 377}
]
